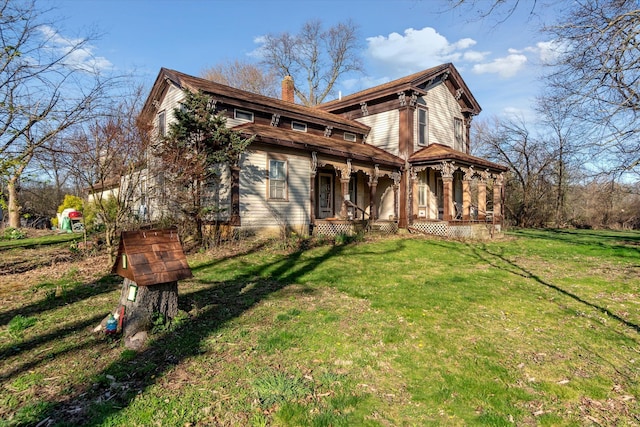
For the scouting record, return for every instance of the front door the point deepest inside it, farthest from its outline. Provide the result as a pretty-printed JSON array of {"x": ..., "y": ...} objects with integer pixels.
[{"x": 325, "y": 196}]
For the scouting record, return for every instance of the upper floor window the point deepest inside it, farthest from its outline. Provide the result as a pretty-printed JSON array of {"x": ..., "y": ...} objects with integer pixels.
[
  {"x": 299, "y": 126},
  {"x": 459, "y": 137},
  {"x": 351, "y": 137},
  {"x": 243, "y": 115},
  {"x": 277, "y": 179},
  {"x": 423, "y": 126},
  {"x": 162, "y": 123}
]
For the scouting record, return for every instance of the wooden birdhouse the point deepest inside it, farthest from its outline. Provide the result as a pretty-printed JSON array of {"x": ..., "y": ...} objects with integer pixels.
[{"x": 150, "y": 257}]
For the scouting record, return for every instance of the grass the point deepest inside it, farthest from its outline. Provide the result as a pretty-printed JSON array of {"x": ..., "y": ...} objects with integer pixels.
[
  {"x": 540, "y": 328},
  {"x": 50, "y": 239}
]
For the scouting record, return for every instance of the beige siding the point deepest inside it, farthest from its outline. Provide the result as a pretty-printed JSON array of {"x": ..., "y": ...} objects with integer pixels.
[
  {"x": 384, "y": 130},
  {"x": 443, "y": 107},
  {"x": 170, "y": 102},
  {"x": 262, "y": 215}
]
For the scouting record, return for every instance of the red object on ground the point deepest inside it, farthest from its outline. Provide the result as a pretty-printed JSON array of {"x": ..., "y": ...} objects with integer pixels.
[{"x": 121, "y": 318}]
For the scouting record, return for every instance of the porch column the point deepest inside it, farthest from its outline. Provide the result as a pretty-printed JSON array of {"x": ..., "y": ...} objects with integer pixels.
[
  {"x": 497, "y": 197},
  {"x": 345, "y": 197},
  {"x": 482, "y": 196},
  {"x": 413, "y": 191},
  {"x": 345, "y": 177},
  {"x": 312, "y": 189},
  {"x": 466, "y": 193},
  {"x": 397, "y": 178},
  {"x": 373, "y": 185},
  {"x": 447, "y": 191}
]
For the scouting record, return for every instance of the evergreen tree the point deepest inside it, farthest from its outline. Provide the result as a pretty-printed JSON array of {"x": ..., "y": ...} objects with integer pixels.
[{"x": 198, "y": 144}]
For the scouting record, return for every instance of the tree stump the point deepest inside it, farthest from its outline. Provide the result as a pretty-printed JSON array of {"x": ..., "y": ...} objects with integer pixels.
[{"x": 161, "y": 298}]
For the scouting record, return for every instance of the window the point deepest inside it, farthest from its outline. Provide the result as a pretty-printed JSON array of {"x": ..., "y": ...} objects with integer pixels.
[
  {"x": 162, "y": 123},
  {"x": 299, "y": 126},
  {"x": 348, "y": 136},
  {"x": 243, "y": 115},
  {"x": 277, "y": 179},
  {"x": 423, "y": 128},
  {"x": 422, "y": 188},
  {"x": 459, "y": 139}
]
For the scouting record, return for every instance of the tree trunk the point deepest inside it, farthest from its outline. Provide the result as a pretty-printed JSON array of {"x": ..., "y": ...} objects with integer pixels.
[
  {"x": 149, "y": 300},
  {"x": 14, "y": 205}
]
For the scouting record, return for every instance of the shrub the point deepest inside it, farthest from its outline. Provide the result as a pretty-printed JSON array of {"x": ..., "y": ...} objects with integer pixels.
[{"x": 11, "y": 233}]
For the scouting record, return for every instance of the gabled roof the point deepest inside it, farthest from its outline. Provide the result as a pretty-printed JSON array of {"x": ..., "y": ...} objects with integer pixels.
[
  {"x": 251, "y": 100},
  {"x": 436, "y": 153},
  {"x": 308, "y": 142},
  {"x": 150, "y": 257},
  {"x": 412, "y": 82}
]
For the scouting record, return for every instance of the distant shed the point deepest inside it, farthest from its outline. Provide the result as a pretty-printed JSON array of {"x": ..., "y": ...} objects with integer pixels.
[{"x": 150, "y": 257}]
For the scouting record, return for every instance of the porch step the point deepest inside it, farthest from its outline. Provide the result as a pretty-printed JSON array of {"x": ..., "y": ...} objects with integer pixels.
[{"x": 384, "y": 227}]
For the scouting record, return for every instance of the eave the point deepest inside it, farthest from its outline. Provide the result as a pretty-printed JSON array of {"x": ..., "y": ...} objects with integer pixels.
[
  {"x": 232, "y": 96},
  {"x": 410, "y": 84},
  {"x": 437, "y": 153},
  {"x": 307, "y": 142}
]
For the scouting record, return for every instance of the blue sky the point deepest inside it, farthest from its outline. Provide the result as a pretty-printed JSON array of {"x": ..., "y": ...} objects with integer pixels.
[{"x": 500, "y": 63}]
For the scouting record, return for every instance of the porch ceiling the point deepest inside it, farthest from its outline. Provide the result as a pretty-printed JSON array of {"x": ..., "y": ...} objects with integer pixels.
[
  {"x": 321, "y": 144},
  {"x": 437, "y": 153}
]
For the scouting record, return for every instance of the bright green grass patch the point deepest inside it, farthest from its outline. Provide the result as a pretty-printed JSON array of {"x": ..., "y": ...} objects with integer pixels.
[
  {"x": 540, "y": 328},
  {"x": 40, "y": 241}
]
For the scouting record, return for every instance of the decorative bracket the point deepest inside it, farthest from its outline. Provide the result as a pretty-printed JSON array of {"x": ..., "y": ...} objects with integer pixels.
[
  {"x": 327, "y": 131},
  {"x": 275, "y": 119},
  {"x": 363, "y": 107},
  {"x": 403, "y": 98},
  {"x": 414, "y": 99}
]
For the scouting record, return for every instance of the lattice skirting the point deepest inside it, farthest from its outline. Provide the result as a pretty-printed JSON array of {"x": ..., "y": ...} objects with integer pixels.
[
  {"x": 333, "y": 228},
  {"x": 462, "y": 231},
  {"x": 386, "y": 227}
]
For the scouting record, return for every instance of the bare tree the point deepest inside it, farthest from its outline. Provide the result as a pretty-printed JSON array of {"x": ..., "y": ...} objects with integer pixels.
[
  {"x": 528, "y": 185},
  {"x": 108, "y": 157},
  {"x": 315, "y": 57},
  {"x": 596, "y": 69},
  {"x": 567, "y": 140},
  {"x": 44, "y": 90},
  {"x": 244, "y": 75},
  {"x": 599, "y": 72}
]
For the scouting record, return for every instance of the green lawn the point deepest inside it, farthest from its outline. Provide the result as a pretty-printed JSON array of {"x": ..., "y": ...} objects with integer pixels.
[{"x": 539, "y": 328}]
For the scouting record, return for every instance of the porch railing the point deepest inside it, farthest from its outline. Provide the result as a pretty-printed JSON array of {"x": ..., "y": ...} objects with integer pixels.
[{"x": 356, "y": 208}]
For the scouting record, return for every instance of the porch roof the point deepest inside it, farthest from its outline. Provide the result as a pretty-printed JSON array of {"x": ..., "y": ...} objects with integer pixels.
[
  {"x": 437, "y": 153},
  {"x": 321, "y": 144}
]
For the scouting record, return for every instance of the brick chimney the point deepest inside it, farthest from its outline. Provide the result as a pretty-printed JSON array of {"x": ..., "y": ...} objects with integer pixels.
[{"x": 287, "y": 89}]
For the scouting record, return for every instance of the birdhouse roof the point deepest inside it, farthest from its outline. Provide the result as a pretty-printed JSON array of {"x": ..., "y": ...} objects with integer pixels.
[{"x": 150, "y": 257}]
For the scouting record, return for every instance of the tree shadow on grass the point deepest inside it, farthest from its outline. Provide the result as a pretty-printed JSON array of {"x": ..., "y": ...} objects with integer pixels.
[
  {"x": 219, "y": 304},
  {"x": 490, "y": 257},
  {"x": 74, "y": 294}
]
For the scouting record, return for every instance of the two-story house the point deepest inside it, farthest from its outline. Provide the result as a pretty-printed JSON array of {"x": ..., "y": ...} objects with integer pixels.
[{"x": 393, "y": 156}]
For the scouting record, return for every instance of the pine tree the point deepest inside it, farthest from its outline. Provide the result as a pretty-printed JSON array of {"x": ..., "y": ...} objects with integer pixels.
[{"x": 197, "y": 145}]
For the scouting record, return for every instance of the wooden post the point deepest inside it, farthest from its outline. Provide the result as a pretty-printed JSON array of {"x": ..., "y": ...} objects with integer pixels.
[
  {"x": 497, "y": 198},
  {"x": 482, "y": 199}
]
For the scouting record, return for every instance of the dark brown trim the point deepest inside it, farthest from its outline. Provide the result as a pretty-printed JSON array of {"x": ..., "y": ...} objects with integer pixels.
[{"x": 234, "y": 218}]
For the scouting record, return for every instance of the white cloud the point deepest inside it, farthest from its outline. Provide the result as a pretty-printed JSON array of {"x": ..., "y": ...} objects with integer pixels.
[
  {"x": 78, "y": 55},
  {"x": 548, "y": 52},
  {"x": 474, "y": 56},
  {"x": 415, "y": 50},
  {"x": 506, "y": 67}
]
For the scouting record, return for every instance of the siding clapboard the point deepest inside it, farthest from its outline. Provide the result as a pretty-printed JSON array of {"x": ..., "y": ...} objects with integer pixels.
[
  {"x": 443, "y": 108},
  {"x": 385, "y": 130},
  {"x": 256, "y": 210}
]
